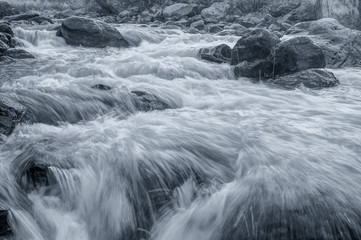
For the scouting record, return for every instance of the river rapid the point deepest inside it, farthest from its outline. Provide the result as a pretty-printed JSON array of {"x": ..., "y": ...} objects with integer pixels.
[{"x": 231, "y": 159}]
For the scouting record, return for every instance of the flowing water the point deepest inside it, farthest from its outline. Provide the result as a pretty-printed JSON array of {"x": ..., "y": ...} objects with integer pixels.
[{"x": 230, "y": 160}]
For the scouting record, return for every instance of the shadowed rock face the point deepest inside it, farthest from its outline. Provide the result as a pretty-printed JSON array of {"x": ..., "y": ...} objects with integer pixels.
[
  {"x": 219, "y": 54},
  {"x": 5, "y": 229},
  {"x": 5, "y": 9},
  {"x": 11, "y": 113},
  {"x": 91, "y": 33},
  {"x": 180, "y": 10}
]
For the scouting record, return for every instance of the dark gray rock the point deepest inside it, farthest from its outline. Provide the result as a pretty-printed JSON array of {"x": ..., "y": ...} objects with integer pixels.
[
  {"x": 3, "y": 47},
  {"x": 219, "y": 54},
  {"x": 5, "y": 229},
  {"x": 258, "y": 69},
  {"x": 217, "y": 11},
  {"x": 6, "y": 38},
  {"x": 215, "y": 28},
  {"x": 65, "y": 14},
  {"x": 5, "y": 9},
  {"x": 311, "y": 78},
  {"x": 297, "y": 54},
  {"x": 18, "y": 53},
  {"x": 59, "y": 33},
  {"x": 281, "y": 9},
  {"x": 40, "y": 20},
  {"x": 306, "y": 12},
  {"x": 257, "y": 44},
  {"x": 101, "y": 87},
  {"x": 144, "y": 101},
  {"x": 5, "y": 28},
  {"x": 91, "y": 33},
  {"x": 20, "y": 17},
  {"x": 180, "y": 10},
  {"x": 198, "y": 25},
  {"x": 11, "y": 114}
]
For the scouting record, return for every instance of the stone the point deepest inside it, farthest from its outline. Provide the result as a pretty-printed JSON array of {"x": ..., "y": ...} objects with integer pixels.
[
  {"x": 280, "y": 9},
  {"x": 112, "y": 6},
  {"x": 311, "y": 78},
  {"x": 5, "y": 229},
  {"x": 11, "y": 114},
  {"x": 306, "y": 12},
  {"x": 219, "y": 54},
  {"x": 296, "y": 54},
  {"x": 258, "y": 69},
  {"x": 101, "y": 87},
  {"x": 4, "y": 38},
  {"x": 257, "y": 44},
  {"x": 41, "y": 20},
  {"x": 5, "y": 9},
  {"x": 180, "y": 10},
  {"x": 215, "y": 28},
  {"x": 198, "y": 25},
  {"x": 5, "y": 28},
  {"x": 3, "y": 47},
  {"x": 91, "y": 33},
  {"x": 65, "y": 14},
  {"x": 20, "y": 17},
  {"x": 144, "y": 101},
  {"x": 18, "y": 53},
  {"x": 217, "y": 10}
]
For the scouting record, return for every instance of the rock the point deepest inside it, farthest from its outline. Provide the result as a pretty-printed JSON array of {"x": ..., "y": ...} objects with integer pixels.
[
  {"x": 11, "y": 114},
  {"x": 101, "y": 87},
  {"x": 180, "y": 10},
  {"x": 20, "y": 17},
  {"x": 112, "y": 6},
  {"x": 5, "y": 9},
  {"x": 258, "y": 69},
  {"x": 198, "y": 25},
  {"x": 18, "y": 53},
  {"x": 4, "y": 38},
  {"x": 192, "y": 31},
  {"x": 341, "y": 46},
  {"x": 59, "y": 33},
  {"x": 147, "y": 102},
  {"x": 257, "y": 44},
  {"x": 248, "y": 21},
  {"x": 215, "y": 28},
  {"x": 280, "y": 9},
  {"x": 5, "y": 229},
  {"x": 311, "y": 78},
  {"x": 91, "y": 33},
  {"x": 65, "y": 14},
  {"x": 40, "y": 20},
  {"x": 3, "y": 47},
  {"x": 219, "y": 54},
  {"x": 306, "y": 12},
  {"x": 36, "y": 177},
  {"x": 297, "y": 54},
  {"x": 5, "y": 28},
  {"x": 217, "y": 10},
  {"x": 15, "y": 42}
]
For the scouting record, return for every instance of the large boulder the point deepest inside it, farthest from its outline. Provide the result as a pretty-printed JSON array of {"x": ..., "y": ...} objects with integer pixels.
[
  {"x": 11, "y": 113},
  {"x": 144, "y": 101},
  {"x": 306, "y": 12},
  {"x": 311, "y": 78},
  {"x": 5, "y": 229},
  {"x": 91, "y": 33},
  {"x": 257, "y": 44},
  {"x": 180, "y": 10},
  {"x": 217, "y": 10},
  {"x": 219, "y": 54},
  {"x": 258, "y": 69},
  {"x": 297, "y": 54},
  {"x": 281, "y": 9},
  {"x": 5, "y": 9},
  {"x": 5, "y": 28},
  {"x": 341, "y": 46},
  {"x": 18, "y": 53}
]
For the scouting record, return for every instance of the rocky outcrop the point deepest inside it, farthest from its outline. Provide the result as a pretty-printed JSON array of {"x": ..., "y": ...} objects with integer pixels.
[
  {"x": 91, "y": 33},
  {"x": 180, "y": 10},
  {"x": 312, "y": 78},
  {"x": 341, "y": 46},
  {"x": 257, "y": 44},
  {"x": 217, "y": 11},
  {"x": 144, "y": 101},
  {"x": 5, "y": 9},
  {"x": 11, "y": 114},
  {"x": 219, "y": 54},
  {"x": 5, "y": 229},
  {"x": 297, "y": 54}
]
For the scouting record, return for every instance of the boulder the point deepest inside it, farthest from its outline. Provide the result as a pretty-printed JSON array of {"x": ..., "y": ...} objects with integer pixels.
[
  {"x": 112, "y": 6},
  {"x": 198, "y": 25},
  {"x": 217, "y": 10},
  {"x": 296, "y": 54},
  {"x": 5, "y": 9},
  {"x": 311, "y": 78},
  {"x": 101, "y": 87},
  {"x": 258, "y": 69},
  {"x": 257, "y": 44},
  {"x": 5, "y": 28},
  {"x": 144, "y": 101},
  {"x": 65, "y": 14},
  {"x": 40, "y": 20},
  {"x": 18, "y": 53},
  {"x": 91, "y": 33},
  {"x": 341, "y": 46},
  {"x": 11, "y": 114},
  {"x": 5, "y": 229},
  {"x": 280, "y": 9},
  {"x": 20, "y": 17},
  {"x": 180, "y": 10},
  {"x": 306, "y": 12},
  {"x": 3, "y": 47},
  {"x": 215, "y": 28},
  {"x": 6, "y": 38},
  {"x": 219, "y": 54}
]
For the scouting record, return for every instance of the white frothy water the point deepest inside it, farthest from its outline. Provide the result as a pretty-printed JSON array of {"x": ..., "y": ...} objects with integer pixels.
[{"x": 230, "y": 160}]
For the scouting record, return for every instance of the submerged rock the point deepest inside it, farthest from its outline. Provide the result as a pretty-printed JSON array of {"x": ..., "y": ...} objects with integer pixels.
[
  {"x": 312, "y": 78},
  {"x": 101, "y": 87},
  {"x": 11, "y": 114},
  {"x": 219, "y": 54},
  {"x": 5, "y": 229},
  {"x": 180, "y": 10},
  {"x": 18, "y": 53},
  {"x": 91, "y": 33},
  {"x": 148, "y": 102}
]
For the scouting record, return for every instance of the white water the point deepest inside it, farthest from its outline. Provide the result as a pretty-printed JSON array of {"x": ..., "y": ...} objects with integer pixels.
[{"x": 232, "y": 160}]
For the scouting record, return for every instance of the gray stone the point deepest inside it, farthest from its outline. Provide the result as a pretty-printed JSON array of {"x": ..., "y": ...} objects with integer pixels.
[
  {"x": 217, "y": 10},
  {"x": 180, "y": 10},
  {"x": 198, "y": 25},
  {"x": 18, "y": 53},
  {"x": 258, "y": 69},
  {"x": 11, "y": 114},
  {"x": 144, "y": 101},
  {"x": 5, "y": 9},
  {"x": 5, "y": 28},
  {"x": 280, "y": 9},
  {"x": 20, "y": 17},
  {"x": 218, "y": 54}
]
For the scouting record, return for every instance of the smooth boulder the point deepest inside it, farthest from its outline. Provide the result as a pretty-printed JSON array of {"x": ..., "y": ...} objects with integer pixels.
[
  {"x": 11, "y": 114},
  {"x": 101, "y": 87},
  {"x": 180, "y": 10},
  {"x": 297, "y": 54},
  {"x": 91, "y": 33},
  {"x": 219, "y": 54},
  {"x": 257, "y": 44},
  {"x": 311, "y": 78},
  {"x": 217, "y": 11}
]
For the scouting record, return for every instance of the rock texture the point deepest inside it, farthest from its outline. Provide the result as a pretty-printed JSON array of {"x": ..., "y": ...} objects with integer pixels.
[
  {"x": 18, "y": 53},
  {"x": 180, "y": 10},
  {"x": 5, "y": 229},
  {"x": 144, "y": 101},
  {"x": 217, "y": 10},
  {"x": 11, "y": 113},
  {"x": 91, "y": 33},
  {"x": 259, "y": 69},
  {"x": 219, "y": 54},
  {"x": 5, "y": 9}
]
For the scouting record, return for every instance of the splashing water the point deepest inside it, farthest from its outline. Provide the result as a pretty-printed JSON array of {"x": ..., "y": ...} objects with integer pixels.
[{"x": 229, "y": 160}]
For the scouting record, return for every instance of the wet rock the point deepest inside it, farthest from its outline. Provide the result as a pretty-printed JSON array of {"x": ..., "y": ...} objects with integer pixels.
[
  {"x": 281, "y": 9},
  {"x": 6, "y": 38},
  {"x": 219, "y": 54},
  {"x": 144, "y": 101},
  {"x": 18, "y": 53},
  {"x": 311, "y": 78},
  {"x": 91, "y": 33},
  {"x": 40, "y": 20},
  {"x": 5, "y": 28},
  {"x": 101, "y": 87},
  {"x": 341, "y": 46},
  {"x": 198, "y": 25},
  {"x": 259, "y": 69},
  {"x": 3, "y": 47},
  {"x": 215, "y": 28},
  {"x": 306, "y": 12},
  {"x": 112, "y": 6},
  {"x": 20, "y": 17},
  {"x": 297, "y": 54},
  {"x": 257, "y": 44},
  {"x": 11, "y": 114},
  {"x": 5, "y": 9},
  {"x": 5, "y": 229},
  {"x": 65, "y": 14},
  {"x": 36, "y": 177},
  {"x": 217, "y": 10},
  {"x": 180, "y": 10},
  {"x": 59, "y": 33}
]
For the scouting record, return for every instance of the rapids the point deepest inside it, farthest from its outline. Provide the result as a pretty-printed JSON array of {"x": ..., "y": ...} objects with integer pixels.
[{"x": 230, "y": 160}]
